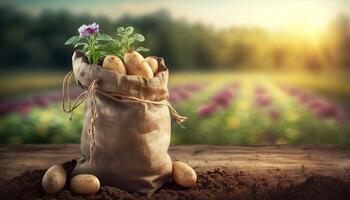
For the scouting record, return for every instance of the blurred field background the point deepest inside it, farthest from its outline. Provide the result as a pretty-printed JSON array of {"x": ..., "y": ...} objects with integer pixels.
[{"x": 244, "y": 72}]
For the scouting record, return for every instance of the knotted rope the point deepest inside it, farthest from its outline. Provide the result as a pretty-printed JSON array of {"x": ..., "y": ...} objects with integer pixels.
[{"x": 91, "y": 91}]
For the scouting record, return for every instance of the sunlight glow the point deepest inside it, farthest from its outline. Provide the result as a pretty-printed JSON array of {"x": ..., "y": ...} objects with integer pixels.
[{"x": 273, "y": 15}]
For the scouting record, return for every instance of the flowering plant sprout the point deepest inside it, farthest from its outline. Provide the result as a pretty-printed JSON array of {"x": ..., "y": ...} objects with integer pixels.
[
  {"x": 127, "y": 38},
  {"x": 94, "y": 44}
]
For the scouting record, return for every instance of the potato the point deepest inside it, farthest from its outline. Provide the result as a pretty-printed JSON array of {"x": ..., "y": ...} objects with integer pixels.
[
  {"x": 153, "y": 63},
  {"x": 85, "y": 184},
  {"x": 183, "y": 174},
  {"x": 136, "y": 65},
  {"x": 54, "y": 179},
  {"x": 113, "y": 63}
]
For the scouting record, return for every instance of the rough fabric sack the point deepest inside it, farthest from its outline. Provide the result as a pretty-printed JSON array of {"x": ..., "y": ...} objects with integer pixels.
[{"x": 127, "y": 127}]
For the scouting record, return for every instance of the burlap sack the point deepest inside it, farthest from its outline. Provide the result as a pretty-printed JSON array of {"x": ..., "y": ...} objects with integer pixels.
[{"x": 127, "y": 127}]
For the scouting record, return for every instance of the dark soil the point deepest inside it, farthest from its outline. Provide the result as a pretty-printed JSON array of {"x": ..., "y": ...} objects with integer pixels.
[{"x": 215, "y": 184}]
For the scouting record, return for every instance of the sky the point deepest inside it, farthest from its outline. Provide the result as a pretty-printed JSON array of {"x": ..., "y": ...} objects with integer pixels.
[{"x": 269, "y": 14}]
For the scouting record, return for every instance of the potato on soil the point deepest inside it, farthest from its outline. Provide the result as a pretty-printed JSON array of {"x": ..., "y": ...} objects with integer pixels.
[
  {"x": 153, "y": 63},
  {"x": 54, "y": 179},
  {"x": 113, "y": 63},
  {"x": 136, "y": 65},
  {"x": 85, "y": 184},
  {"x": 183, "y": 174}
]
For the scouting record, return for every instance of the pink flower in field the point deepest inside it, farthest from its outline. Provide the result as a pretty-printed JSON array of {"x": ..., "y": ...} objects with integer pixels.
[
  {"x": 41, "y": 101},
  {"x": 24, "y": 107},
  {"x": 315, "y": 104},
  {"x": 223, "y": 98},
  {"x": 183, "y": 94},
  {"x": 6, "y": 107},
  {"x": 228, "y": 93},
  {"x": 222, "y": 101},
  {"x": 274, "y": 114},
  {"x": 207, "y": 110},
  {"x": 326, "y": 110},
  {"x": 174, "y": 97},
  {"x": 263, "y": 101},
  {"x": 304, "y": 98}
]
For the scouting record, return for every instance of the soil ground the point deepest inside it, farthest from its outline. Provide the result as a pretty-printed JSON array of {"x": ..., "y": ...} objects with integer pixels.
[{"x": 230, "y": 172}]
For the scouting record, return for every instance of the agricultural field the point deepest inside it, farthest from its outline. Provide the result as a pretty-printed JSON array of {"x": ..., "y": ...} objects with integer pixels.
[{"x": 222, "y": 108}]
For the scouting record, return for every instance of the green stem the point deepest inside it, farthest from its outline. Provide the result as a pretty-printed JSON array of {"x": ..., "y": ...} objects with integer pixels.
[
  {"x": 89, "y": 48},
  {"x": 91, "y": 42},
  {"x": 93, "y": 49}
]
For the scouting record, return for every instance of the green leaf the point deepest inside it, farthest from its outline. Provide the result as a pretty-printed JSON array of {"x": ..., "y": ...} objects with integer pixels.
[
  {"x": 129, "y": 30},
  {"x": 104, "y": 37},
  {"x": 131, "y": 40},
  {"x": 88, "y": 53},
  {"x": 85, "y": 48},
  {"x": 139, "y": 37},
  {"x": 104, "y": 53},
  {"x": 120, "y": 29},
  {"x": 79, "y": 44},
  {"x": 139, "y": 49},
  {"x": 99, "y": 46},
  {"x": 73, "y": 40},
  {"x": 113, "y": 45},
  {"x": 116, "y": 43},
  {"x": 125, "y": 40}
]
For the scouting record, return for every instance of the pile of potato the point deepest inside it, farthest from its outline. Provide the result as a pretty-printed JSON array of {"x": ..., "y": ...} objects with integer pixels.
[
  {"x": 55, "y": 179},
  {"x": 135, "y": 64}
]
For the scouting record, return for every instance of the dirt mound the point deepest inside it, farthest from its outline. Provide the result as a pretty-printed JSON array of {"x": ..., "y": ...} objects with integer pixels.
[
  {"x": 317, "y": 187},
  {"x": 216, "y": 184}
]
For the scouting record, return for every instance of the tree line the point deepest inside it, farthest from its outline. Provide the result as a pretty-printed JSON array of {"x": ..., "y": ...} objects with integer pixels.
[{"x": 36, "y": 42}]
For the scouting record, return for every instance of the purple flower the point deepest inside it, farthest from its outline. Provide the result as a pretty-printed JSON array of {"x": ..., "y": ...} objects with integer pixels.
[
  {"x": 326, "y": 110},
  {"x": 174, "y": 97},
  {"x": 183, "y": 94},
  {"x": 6, "y": 107},
  {"x": 24, "y": 107},
  {"x": 222, "y": 100},
  {"x": 274, "y": 114},
  {"x": 263, "y": 101},
  {"x": 315, "y": 104},
  {"x": 207, "y": 110},
  {"x": 41, "y": 101},
  {"x": 86, "y": 30},
  {"x": 304, "y": 98},
  {"x": 227, "y": 93}
]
